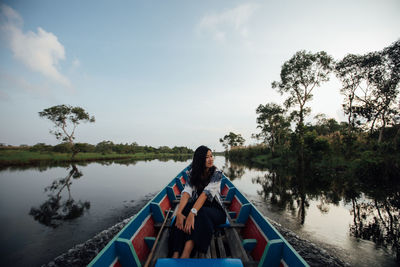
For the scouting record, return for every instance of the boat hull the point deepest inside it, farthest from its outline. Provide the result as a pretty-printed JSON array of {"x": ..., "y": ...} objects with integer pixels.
[{"x": 246, "y": 235}]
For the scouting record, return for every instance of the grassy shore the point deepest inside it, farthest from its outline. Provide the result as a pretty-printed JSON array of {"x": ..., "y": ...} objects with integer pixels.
[{"x": 23, "y": 157}]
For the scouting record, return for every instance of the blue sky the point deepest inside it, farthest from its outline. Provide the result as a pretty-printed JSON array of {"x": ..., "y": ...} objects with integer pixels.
[{"x": 176, "y": 73}]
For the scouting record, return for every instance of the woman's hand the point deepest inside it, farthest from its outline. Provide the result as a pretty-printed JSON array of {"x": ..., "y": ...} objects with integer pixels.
[
  {"x": 189, "y": 225},
  {"x": 180, "y": 218}
]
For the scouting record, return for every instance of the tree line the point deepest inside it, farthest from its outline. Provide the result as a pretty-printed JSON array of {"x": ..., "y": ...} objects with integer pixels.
[
  {"x": 355, "y": 160},
  {"x": 104, "y": 147},
  {"x": 370, "y": 87}
]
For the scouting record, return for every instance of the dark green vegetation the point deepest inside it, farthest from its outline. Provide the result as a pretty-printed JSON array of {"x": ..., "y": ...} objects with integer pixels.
[
  {"x": 106, "y": 150},
  {"x": 357, "y": 161}
]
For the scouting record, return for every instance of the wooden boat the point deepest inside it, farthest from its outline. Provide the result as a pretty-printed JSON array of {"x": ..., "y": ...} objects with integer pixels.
[{"x": 246, "y": 239}]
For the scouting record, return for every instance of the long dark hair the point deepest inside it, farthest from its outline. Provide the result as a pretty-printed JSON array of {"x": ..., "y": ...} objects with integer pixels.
[{"x": 199, "y": 178}]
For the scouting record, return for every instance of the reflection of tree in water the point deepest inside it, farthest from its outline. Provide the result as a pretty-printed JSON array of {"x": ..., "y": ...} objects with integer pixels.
[
  {"x": 284, "y": 192},
  {"x": 53, "y": 211},
  {"x": 378, "y": 220},
  {"x": 232, "y": 170}
]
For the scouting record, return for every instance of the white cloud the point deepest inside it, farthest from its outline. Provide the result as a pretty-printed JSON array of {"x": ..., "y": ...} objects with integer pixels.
[
  {"x": 221, "y": 24},
  {"x": 39, "y": 51}
]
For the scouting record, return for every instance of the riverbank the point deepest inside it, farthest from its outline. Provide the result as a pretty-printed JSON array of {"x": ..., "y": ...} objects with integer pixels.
[{"x": 21, "y": 157}]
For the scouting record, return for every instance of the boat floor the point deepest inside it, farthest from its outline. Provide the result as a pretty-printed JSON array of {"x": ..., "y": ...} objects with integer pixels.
[{"x": 225, "y": 243}]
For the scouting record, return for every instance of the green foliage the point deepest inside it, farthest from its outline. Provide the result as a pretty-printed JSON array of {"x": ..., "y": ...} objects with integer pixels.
[
  {"x": 232, "y": 140},
  {"x": 61, "y": 116},
  {"x": 370, "y": 84},
  {"x": 274, "y": 125},
  {"x": 41, "y": 147},
  {"x": 299, "y": 76}
]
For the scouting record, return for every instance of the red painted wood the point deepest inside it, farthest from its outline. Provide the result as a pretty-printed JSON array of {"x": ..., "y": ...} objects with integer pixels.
[
  {"x": 165, "y": 204},
  {"x": 225, "y": 190},
  {"x": 251, "y": 231},
  {"x": 235, "y": 205},
  {"x": 176, "y": 190},
  {"x": 139, "y": 245},
  {"x": 117, "y": 264}
]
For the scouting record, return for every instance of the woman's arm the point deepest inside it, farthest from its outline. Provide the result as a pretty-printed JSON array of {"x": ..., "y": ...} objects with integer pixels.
[
  {"x": 179, "y": 216},
  {"x": 189, "y": 225}
]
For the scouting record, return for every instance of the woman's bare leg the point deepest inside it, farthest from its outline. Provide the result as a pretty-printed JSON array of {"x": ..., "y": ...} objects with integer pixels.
[
  {"x": 175, "y": 255},
  {"x": 189, "y": 245}
]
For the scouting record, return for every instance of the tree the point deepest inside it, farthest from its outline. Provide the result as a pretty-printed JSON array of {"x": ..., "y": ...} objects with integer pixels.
[
  {"x": 299, "y": 76},
  {"x": 350, "y": 72},
  {"x": 62, "y": 116},
  {"x": 232, "y": 140},
  {"x": 273, "y": 124},
  {"x": 370, "y": 84}
]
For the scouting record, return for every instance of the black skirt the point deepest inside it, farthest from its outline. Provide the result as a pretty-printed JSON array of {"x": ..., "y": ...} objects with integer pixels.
[{"x": 208, "y": 218}]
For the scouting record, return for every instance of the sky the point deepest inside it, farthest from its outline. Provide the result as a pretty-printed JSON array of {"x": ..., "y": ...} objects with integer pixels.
[{"x": 175, "y": 73}]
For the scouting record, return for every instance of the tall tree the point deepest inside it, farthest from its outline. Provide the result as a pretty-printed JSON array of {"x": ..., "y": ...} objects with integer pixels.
[
  {"x": 63, "y": 116},
  {"x": 232, "y": 140},
  {"x": 370, "y": 84},
  {"x": 300, "y": 75},
  {"x": 351, "y": 73},
  {"x": 273, "y": 123}
]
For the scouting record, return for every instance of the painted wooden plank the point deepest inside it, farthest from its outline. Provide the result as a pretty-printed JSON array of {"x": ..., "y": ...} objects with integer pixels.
[
  {"x": 272, "y": 254},
  {"x": 126, "y": 253},
  {"x": 149, "y": 240},
  {"x": 171, "y": 193},
  {"x": 158, "y": 215},
  {"x": 243, "y": 213},
  {"x": 199, "y": 263},
  {"x": 231, "y": 193},
  {"x": 249, "y": 244}
]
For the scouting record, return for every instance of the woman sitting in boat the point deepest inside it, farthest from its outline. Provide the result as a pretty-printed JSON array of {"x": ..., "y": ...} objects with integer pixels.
[{"x": 200, "y": 208}]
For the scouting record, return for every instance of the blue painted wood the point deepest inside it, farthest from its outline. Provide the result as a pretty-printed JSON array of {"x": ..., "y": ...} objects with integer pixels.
[
  {"x": 126, "y": 253},
  {"x": 179, "y": 183},
  {"x": 249, "y": 244},
  {"x": 243, "y": 213},
  {"x": 267, "y": 228},
  {"x": 291, "y": 257},
  {"x": 199, "y": 262},
  {"x": 160, "y": 196},
  {"x": 129, "y": 230},
  {"x": 171, "y": 193},
  {"x": 231, "y": 193},
  {"x": 149, "y": 240},
  {"x": 272, "y": 254},
  {"x": 105, "y": 258},
  {"x": 158, "y": 215},
  {"x": 184, "y": 174}
]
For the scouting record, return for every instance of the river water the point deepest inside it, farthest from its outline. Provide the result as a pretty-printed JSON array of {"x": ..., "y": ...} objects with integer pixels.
[{"x": 44, "y": 212}]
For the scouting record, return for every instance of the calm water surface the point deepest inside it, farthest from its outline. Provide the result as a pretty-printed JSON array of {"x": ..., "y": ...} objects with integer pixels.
[{"x": 107, "y": 193}]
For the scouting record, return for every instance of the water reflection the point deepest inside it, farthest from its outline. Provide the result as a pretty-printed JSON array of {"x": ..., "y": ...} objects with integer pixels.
[
  {"x": 232, "y": 170},
  {"x": 375, "y": 205},
  {"x": 53, "y": 211},
  {"x": 45, "y": 165}
]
